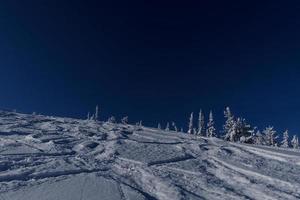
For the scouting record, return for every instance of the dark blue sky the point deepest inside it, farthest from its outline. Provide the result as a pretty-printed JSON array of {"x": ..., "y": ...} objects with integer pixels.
[{"x": 151, "y": 60}]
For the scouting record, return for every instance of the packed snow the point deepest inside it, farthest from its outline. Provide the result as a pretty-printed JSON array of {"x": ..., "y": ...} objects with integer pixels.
[{"x": 50, "y": 158}]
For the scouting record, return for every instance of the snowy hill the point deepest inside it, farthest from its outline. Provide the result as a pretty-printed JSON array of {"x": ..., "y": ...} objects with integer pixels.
[{"x": 50, "y": 158}]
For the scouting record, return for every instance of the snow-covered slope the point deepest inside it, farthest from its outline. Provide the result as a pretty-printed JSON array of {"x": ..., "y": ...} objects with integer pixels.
[{"x": 48, "y": 158}]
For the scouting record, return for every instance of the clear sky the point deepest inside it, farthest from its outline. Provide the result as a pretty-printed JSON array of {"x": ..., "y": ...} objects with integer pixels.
[{"x": 153, "y": 60}]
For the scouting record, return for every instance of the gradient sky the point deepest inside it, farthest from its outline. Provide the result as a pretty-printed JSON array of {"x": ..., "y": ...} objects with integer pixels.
[{"x": 152, "y": 61}]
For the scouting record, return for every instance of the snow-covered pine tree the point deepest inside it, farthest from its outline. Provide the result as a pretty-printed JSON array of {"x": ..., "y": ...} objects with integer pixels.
[
  {"x": 92, "y": 117},
  {"x": 88, "y": 116},
  {"x": 174, "y": 126},
  {"x": 229, "y": 126},
  {"x": 270, "y": 135},
  {"x": 295, "y": 142},
  {"x": 195, "y": 131},
  {"x": 243, "y": 131},
  {"x": 96, "y": 113},
  {"x": 112, "y": 119},
  {"x": 159, "y": 126},
  {"x": 285, "y": 141},
  {"x": 181, "y": 130},
  {"x": 190, "y": 130},
  {"x": 210, "y": 131},
  {"x": 124, "y": 120},
  {"x": 201, "y": 124},
  {"x": 167, "y": 127},
  {"x": 259, "y": 139}
]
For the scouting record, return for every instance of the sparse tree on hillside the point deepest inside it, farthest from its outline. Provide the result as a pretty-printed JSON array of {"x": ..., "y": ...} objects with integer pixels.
[
  {"x": 270, "y": 135},
  {"x": 285, "y": 141},
  {"x": 92, "y": 117},
  {"x": 210, "y": 131},
  {"x": 167, "y": 127},
  {"x": 295, "y": 142},
  {"x": 259, "y": 138},
  {"x": 190, "y": 130},
  {"x": 230, "y": 125},
  {"x": 195, "y": 131},
  {"x": 244, "y": 132},
  {"x": 96, "y": 113},
  {"x": 88, "y": 116},
  {"x": 124, "y": 120},
  {"x": 174, "y": 126},
  {"x": 159, "y": 126},
  {"x": 201, "y": 124},
  {"x": 112, "y": 119}
]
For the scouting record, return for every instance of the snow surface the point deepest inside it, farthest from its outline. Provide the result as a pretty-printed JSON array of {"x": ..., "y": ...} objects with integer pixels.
[{"x": 50, "y": 158}]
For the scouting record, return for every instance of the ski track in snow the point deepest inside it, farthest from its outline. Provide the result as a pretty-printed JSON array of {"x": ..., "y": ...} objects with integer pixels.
[{"x": 49, "y": 158}]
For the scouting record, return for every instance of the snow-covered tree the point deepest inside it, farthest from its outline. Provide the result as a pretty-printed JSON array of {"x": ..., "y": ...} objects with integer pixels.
[
  {"x": 96, "y": 113},
  {"x": 210, "y": 131},
  {"x": 259, "y": 138},
  {"x": 201, "y": 124},
  {"x": 237, "y": 130},
  {"x": 112, "y": 119},
  {"x": 285, "y": 141},
  {"x": 124, "y": 120},
  {"x": 190, "y": 130},
  {"x": 167, "y": 127},
  {"x": 229, "y": 126},
  {"x": 295, "y": 142},
  {"x": 244, "y": 132},
  {"x": 181, "y": 130},
  {"x": 88, "y": 116},
  {"x": 159, "y": 126},
  {"x": 174, "y": 126},
  {"x": 92, "y": 117},
  {"x": 195, "y": 131},
  {"x": 270, "y": 135}
]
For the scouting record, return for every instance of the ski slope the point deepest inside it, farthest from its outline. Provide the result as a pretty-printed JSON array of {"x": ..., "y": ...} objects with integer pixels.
[{"x": 52, "y": 158}]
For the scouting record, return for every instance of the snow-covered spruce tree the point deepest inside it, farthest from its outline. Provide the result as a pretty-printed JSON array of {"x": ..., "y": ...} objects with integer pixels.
[
  {"x": 295, "y": 142},
  {"x": 210, "y": 131},
  {"x": 259, "y": 138},
  {"x": 270, "y": 135},
  {"x": 112, "y": 119},
  {"x": 124, "y": 120},
  {"x": 229, "y": 127},
  {"x": 190, "y": 130},
  {"x": 159, "y": 126},
  {"x": 92, "y": 117},
  {"x": 244, "y": 132},
  {"x": 174, "y": 127},
  {"x": 167, "y": 127},
  {"x": 201, "y": 128},
  {"x": 181, "y": 130},
  {"x": 96, "y": 113},
  {"x": 88, "y": 116},
  {"x": 285, "y": 141},
  {"x": 195, "y": 131}
]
